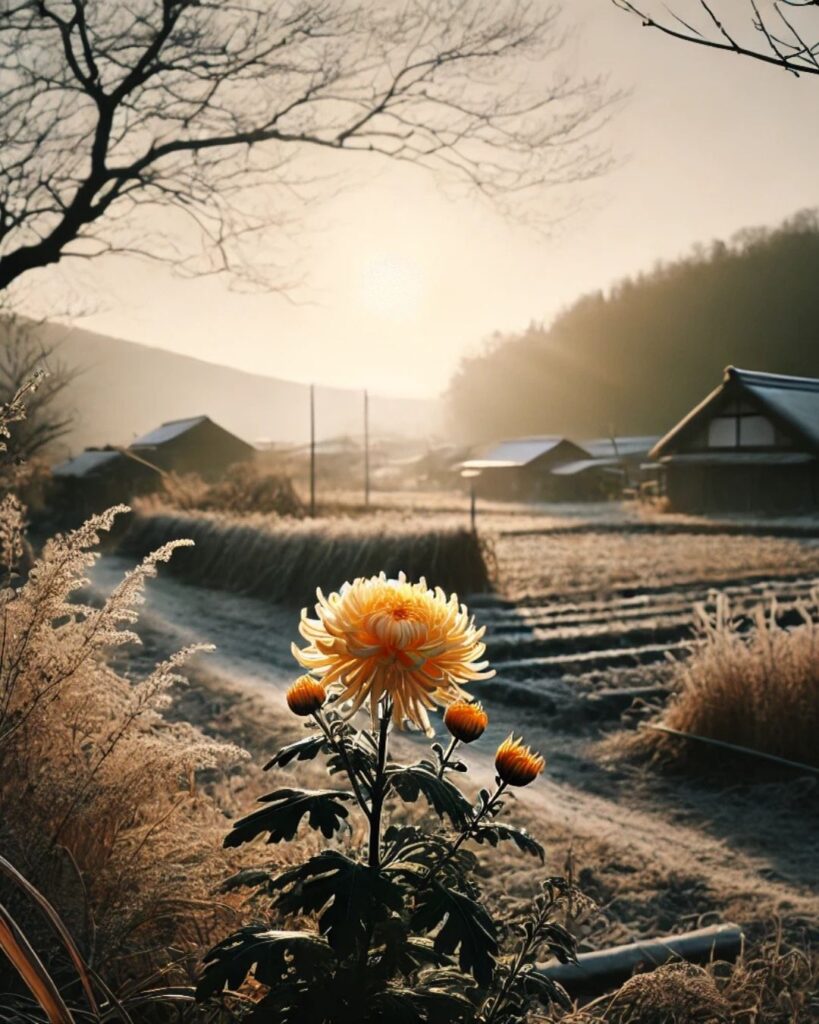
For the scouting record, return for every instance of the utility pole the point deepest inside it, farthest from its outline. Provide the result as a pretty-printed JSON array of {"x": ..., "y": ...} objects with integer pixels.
[
  {"x": 472, "y": 476},
  {"x": 366, "y": 449},
  {"x": 312, "y": 451}
]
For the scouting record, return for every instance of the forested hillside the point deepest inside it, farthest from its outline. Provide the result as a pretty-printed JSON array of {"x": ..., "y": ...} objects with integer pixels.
[{"x": 633, "y": 360}]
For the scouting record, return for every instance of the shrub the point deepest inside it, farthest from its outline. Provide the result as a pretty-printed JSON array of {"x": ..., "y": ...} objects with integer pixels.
[
  {"x": 756, "y": 687},
  {"x": 244, "y": 489},
  {"x": 401, "y": 931},
  {"x": 284, "y": 560}
]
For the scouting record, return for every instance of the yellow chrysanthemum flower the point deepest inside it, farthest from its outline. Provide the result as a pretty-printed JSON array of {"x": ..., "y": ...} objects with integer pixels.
[{"x": 380, "y": 637}]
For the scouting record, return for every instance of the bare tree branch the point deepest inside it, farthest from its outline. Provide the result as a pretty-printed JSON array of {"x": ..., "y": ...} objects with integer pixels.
[
  {"x": 767, "y": 32},
  {"x": 201, "y": 106}
]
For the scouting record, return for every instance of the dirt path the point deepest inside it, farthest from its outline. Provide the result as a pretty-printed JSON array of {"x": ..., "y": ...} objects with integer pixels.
[{"x": 657, "y": 852}]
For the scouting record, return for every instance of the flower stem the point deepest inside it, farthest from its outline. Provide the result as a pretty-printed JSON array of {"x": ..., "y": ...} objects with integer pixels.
[
  {"x": 341, "y": 750},
  {"x": 379, "y": 787},
  {"x": 450, "y": 750},
  {"x": 526, "y": 951},
  {"x": 466, "y": 834}
]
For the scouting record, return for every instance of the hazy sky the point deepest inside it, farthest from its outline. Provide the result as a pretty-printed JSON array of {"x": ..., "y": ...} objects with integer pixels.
[{"x": 402, "y": 282}]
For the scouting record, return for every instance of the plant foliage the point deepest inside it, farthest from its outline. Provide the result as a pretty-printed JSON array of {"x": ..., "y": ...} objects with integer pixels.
[
  {"x": 284, "y": 812},
  {"x": 394, "y": 926}
]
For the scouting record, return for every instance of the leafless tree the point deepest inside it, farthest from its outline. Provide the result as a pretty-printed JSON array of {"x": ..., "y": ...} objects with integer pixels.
[
  {"x": 780, "y": 32},
  {"x": 30, "y": 365},
  {"x": 201, "y": 106}
]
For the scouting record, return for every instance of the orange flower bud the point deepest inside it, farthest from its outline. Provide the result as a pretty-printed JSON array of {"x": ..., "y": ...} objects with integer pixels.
[
  {"x": 515, "y": 764},
  {"x": 466, "y": 720},
  {"x": 305, "y": 696}
]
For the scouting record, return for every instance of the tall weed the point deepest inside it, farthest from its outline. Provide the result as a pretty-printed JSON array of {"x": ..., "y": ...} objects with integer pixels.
[{"x": 98, "y": 805}]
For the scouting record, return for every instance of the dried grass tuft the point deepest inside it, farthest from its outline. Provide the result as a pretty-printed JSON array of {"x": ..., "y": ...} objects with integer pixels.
[
  {"x": 679, "y": 993},
  {"x": 285, "y": 560},
  {"x": 751, "y": 681},
  {"x": 774, "y": 985}
]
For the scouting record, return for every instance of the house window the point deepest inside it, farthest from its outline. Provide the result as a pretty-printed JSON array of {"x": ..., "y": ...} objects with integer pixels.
[
  {"x": 756, "y": 432},
  {"x": 742, "y": 428},
  {"x": 722, "y": 432}
]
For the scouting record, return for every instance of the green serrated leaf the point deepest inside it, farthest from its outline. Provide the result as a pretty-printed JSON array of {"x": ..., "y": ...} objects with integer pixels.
[
  {"x": 297, "y": 1003},
  {"x": 400, "y": 1005},
  {"x": 444, "y": 1007},
  {"x": 395, "y": 952},
  {"x": 399, "y": 836},
  {"x": 271, "y": 956},
  {"x": 350, "y": 898},
  {"x": 496, "y": 833},
  {"x": 285, "y": 810},
  {"x": 397, "y": 1005},
  {"x": 465, "y": 925},
  {"x": 416, "y": 780},
  {"x": 302, "y": 750},
  {"x": 449, "y": 995},
  {"x": 412, "y": 845},
  {"x": 358, "y": 754},
  {"x": 560, "y": 942},
  {"x": 539, "y": 986}
]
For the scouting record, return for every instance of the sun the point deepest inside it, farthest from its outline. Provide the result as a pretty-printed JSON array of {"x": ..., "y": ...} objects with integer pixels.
[{"x": 391, "y": 286}]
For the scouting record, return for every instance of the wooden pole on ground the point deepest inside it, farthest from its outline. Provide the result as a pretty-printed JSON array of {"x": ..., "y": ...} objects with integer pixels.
[
  {"x": 471, "y": 475},
  {"x": 607, "y": 969}
]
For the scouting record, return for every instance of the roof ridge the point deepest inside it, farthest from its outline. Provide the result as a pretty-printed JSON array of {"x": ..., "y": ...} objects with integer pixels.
[
  {"x": 185, "y": 419},
  {"x": 531, "y": 437},
  {"x": 777, "y": 380}
]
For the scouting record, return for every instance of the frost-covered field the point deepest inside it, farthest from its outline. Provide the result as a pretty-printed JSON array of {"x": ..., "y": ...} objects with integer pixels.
[{"x": 563, "y": 566}]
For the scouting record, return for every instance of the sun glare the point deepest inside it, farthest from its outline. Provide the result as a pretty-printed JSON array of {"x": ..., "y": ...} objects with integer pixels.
[{"x": 391, "y": 286}]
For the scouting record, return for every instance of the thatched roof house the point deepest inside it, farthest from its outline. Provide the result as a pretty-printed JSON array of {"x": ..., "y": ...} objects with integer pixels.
[{"x": 752, "y": 445}]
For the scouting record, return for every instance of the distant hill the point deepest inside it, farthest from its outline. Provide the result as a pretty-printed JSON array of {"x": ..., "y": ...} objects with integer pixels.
[
  {"x": 124, "y": 389},
  {"x": 636, "y": 358}
]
